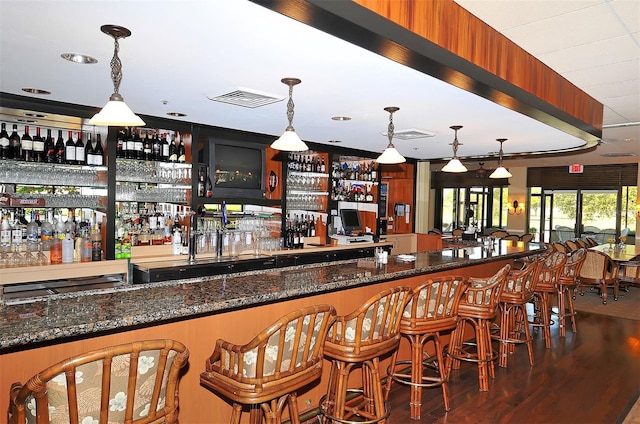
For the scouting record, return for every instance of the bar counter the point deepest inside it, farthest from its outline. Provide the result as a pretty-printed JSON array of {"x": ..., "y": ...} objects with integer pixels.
[{"x": 197, "y": 311}]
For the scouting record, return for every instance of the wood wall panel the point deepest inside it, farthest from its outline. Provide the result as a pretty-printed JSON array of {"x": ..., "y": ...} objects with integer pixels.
[{"x": 452, "y": 27}]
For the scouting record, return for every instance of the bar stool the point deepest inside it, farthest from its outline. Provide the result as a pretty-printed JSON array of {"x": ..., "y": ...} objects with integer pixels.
[
  {"x": 548, "y": 280},
  {"x": 360, "y": 339},
  {"x": 266, "y": 372},
  {"x": 133, "y": 382},
  {"x": 477, "y": 307},
  {"x": 514, "y": 325},
  {"x": 567, "y": 287},
  {"x": 432, "y": 310}
]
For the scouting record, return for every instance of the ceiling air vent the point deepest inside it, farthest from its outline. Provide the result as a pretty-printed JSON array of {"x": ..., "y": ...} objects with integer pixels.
[
  {"x": 411, "y": 134},
  {"x": 247, "y": 98}
]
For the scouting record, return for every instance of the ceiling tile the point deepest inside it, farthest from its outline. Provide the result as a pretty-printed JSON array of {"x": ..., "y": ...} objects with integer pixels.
[
  {"x": 600, "y": 74},
  {"x": 615, "y": 89},
  {"x": 629, "y": 13},
  {"x": 626, "y": 106}
]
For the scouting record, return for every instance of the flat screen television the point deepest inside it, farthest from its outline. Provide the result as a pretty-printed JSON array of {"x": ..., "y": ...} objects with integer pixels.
[
  {"x": 237, "y": 169},
  {"x": 350, "y": 221}
]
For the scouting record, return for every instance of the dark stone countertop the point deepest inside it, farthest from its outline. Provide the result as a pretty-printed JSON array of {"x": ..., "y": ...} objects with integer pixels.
[{"x": 65, "y": 316}]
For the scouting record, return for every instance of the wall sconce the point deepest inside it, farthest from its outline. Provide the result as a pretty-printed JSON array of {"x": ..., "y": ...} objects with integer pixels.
[{"x": 516, "y": 208}]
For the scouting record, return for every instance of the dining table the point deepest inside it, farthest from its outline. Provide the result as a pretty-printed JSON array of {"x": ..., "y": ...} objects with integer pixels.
[{"x": 619, "y": 253}]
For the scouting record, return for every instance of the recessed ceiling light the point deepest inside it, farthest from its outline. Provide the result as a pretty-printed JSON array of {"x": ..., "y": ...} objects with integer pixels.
[
  {"x": 341, "y": 118},
  {"x": 335, "y": 141},
  {"x": 179, "y": 114},
  {"x": 35, "y": 91},
  {"x": 34, "y": 115},
  {"x": 79, "y": 58}
]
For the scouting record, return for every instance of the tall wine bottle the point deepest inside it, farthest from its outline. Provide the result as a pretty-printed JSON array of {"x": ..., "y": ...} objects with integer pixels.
[
  {"x": 27, "y": 145},
  {"x": 60, "y": 148},
  {"x": 49, "y": 148},
  {"x": 15, "y": 148},
  {"x": 81, "y": 158},
  {"x": 90, "y": 151},
  {"x": 4, "y": 142},
  {"x": 98, "y": 152},
  {"x": 38, "y": 147},
  {"x": 70, "y": 150},
  {"x": 182, "y": 151},
  {"x": 164, "y": 148}
]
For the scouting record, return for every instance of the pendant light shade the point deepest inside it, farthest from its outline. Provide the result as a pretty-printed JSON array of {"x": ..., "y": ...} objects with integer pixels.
[
  {"x": 289, "y": 140},
  {"x": 116, "y": 112},
  {"x": 454, "y": 164},
  {"x": 501, "y": 171},
  {"x": 390, "y": 154}
]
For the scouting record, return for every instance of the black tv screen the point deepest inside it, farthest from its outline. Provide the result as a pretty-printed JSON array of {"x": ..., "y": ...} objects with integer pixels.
[{"x": 237, "y": 169}]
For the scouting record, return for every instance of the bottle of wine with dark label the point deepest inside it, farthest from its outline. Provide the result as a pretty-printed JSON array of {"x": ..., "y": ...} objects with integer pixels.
[
  {"x": 182, "y": 151},
  {"x": 15, "y": 148},
  {"x": 49, "y": 148},
  {"x": 98, "y": 152},
  {"x": 81, "y": 158},
  {"x": 89, "y": 151},
  {"x": 60, "y": 148}
]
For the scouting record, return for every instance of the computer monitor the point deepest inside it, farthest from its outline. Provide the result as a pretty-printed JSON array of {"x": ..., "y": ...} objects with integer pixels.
[{"x": 350, "y": 221}]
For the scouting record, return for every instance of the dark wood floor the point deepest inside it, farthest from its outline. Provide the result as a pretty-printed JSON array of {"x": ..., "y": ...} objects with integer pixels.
[{"x": 589, "y": 377}]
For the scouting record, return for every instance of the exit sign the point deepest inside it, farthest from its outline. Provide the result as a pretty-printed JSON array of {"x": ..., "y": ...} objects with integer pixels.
[{"x": 576, "y": 168}]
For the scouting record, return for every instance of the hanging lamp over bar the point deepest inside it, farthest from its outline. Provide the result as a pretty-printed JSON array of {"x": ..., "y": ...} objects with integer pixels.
[
  {"x": 289, "y": 141},
  {"x": 454, "y": 164},
  {"x": 116, "y": 112},
  {"x": 390, "y": 154},
  {"x": 501, "y": 171}
]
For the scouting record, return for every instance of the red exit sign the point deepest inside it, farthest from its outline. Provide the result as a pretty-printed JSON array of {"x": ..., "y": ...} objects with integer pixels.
[{"x": 576, "y": 168}]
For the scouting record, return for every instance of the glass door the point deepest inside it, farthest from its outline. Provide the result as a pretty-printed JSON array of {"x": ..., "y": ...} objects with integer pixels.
[
  {"x": 598, "y": 217},
  {"x": 561, "y": 214}
]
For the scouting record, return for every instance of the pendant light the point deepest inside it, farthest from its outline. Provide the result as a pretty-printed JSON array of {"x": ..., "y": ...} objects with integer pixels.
[
  {"x": 390, "y": 154},
  {"x": 454, "y": 164},
  {"x": 116, "y": 112},
  {"x": 289, "y": 140},
  {"x": 501, "y": 171}
]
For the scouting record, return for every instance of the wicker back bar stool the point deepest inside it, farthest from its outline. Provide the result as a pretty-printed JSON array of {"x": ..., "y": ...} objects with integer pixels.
[
  {"x": 359, "y": 339},
  {"x": 518, "y": 290},
  {"x": 432, "y": 310},
  {"x": 567, "y": 287},
  {"x": 266, "y": 373},
  {"x": 133, "y": 383},
  {"x": 548, "y": 280},
  {"x": 478, "y": 307}
]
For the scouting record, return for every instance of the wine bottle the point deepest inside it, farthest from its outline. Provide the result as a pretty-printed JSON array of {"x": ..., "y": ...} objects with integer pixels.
[
  {"x": 81, "y": 158},
  {"x": 164, "y": 148},
  {"x": 49, "y": 148},
  {"x": 15, "y": 150},
  {"x": 120, "y": 144},
  {"x": 89, "y": 150},
  {"x": 138, "y": 145},
  {"x": 208, "y": 192},
  {"x": 96, "y": 245},
  {"x": 130, "y": 147},
  {"x": 38, "y": 147},
  {"x": 70, "y": 150},
  {"x": 4, "y": 142},
  {"x": 98, "y": 152},
  {"x": 182, "y": 151},
  {"x": 155, "y": 146},
  {"x": 27, "y": 145},
  {"x": 173, "y": 150},
  {"x": 146, "y": 148},
  {"x": 201, "y": 184},
  {"x": 60, "y": 148}
]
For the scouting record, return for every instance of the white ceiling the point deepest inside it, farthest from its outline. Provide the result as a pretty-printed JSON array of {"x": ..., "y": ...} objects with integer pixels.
[{"x": 180, "y": 52}]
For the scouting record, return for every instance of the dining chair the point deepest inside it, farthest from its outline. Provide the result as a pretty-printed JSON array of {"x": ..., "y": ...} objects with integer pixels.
[
  {"x": 133, "y": 383},
  {"x": 600, "y": 271}
]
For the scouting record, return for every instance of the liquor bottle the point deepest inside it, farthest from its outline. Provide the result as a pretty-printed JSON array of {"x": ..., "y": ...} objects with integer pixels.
[
  {"x": 208, "y": 190},
  {"x": 67, "y": 248},
  {"x": 138, "y": 145},
  {"x": 164, "y": 148},
  {"x": 38, "y": 147},
  {"x": 90, "y": 151},
  {"x": 374, "y": 172},
  {"x": 85, "y": 249},
  {"x": 81, "y": 158},
  {"x": 182, "y": 151},
  {"x": 146, "y": 148},
  {"x": 27, "y": 145},
  {"x": 96, "y": 245},
  {"x": 5, "y": 230},
  {"x": 15, "y": 148},
  {"x": 98, "y": 152},
  {"x": 120, "y": 144},
  {"x": 323, "y": 167},
  {"x": 70, "y": 150},
  {"x": 49, "y": 148},
  {"x": 201, "y": 183},
  {"x": 60, "y": 148},
  {"x": 173, "y": 151},
  {"x": 4, "y": 142}
]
